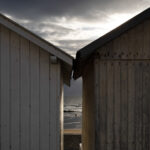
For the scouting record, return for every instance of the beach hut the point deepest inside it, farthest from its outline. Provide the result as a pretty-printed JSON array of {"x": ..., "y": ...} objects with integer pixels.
[
  {"x": 116, "y": 87},
  {"x": 32, "y": 75}
]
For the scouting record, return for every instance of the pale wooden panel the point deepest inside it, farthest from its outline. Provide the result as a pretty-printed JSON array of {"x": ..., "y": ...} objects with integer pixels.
[
  {"x": 34, "y": 78},
  {"x": 5, "y": 84},
  {"x": 131, "y": 105},
  {"x": 146, "y": 106},
  {"x": 25, "y": 96},
  {"x": 124, "y": 105},
  {"x": 110, "y": 104},
  {"x": 138, "y": 105},
  {"x": 44, "y": 101},
  {"x": 102, "y": 115},
  {"x": 55, "y": 106},
  {"x": 15, "y": 90},
  {"x": 117, "y": 110}
]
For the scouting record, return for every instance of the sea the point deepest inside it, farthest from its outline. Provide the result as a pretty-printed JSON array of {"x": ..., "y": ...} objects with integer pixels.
[
  {"x": 73, "y": 105},
  {"x": 73, "y": 116}
]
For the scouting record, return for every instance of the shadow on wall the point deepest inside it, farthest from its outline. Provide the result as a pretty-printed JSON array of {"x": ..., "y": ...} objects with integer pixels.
[{"x": 72, "y": 141}]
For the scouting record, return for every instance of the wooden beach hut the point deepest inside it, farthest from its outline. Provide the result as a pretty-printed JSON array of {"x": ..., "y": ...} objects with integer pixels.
[
  {"x": 32, "y": 75},
  {"x": 116, "y": 87}
]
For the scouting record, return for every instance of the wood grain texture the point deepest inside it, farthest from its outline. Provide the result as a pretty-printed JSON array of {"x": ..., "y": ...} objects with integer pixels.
[
  {"x": 34, "y": 112},
  {"x": 56, "y": 100},
  {"x": 138, "y": 105},
  {"x": 124, "y": 105},
  {"x": 110, "y": 105},
  {"x": 124, "y": 109},
  {"x": 5, "y": 88},
  {"x": 90, "y": 134},
  {"x": 102, "y": 104},
  {"x": 133, "y": 44},
  {"x": 44, "y": 101},
  {"x": 117, "y": 102},
  {"x": 25, "y": 94},
  {"x": 146, "y": 106},
  {"x": 15, "y": 92},
  {"x": 131, "y": 105},
  {"x": 31, "y": 96},
  {"x": 146, "y": 38}
]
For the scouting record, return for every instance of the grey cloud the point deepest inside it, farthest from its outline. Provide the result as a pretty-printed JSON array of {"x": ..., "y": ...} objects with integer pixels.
[
  {"x": 38, "y": 27},
  {"x": 85, "y": 9},
  {"x": 72, "y": 45}
]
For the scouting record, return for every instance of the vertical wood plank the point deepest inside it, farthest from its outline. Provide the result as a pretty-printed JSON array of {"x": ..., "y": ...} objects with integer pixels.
[
  {"x": 102, "y": 116},
  {"x": 123, "y": 46},
  {"x": 110, "y": 105},
  {"x": 25, "y": 97},
  {"x": 124, "y": 105},
  {"x": 146, "y": 106},
  {"x": 55, "y": 107},
  {"x": 96, "y": 138},
  {"x": 138, "y": 38},
  {"x": 116, "y": 48},
  {"x": 89, "y": 124},
  {"x": 34, "y": 118},
  {"x": 5, "y": 86},
  {"x": 131, "y": 43},
  {"x": 15, "y": 91},
  {"x": 44, "y": 100},
  {"x": 61, "y": 112},
  {"x": 117, "y": 103},
  {"x": 131, "y": 105},
  {"x": 146, "y": 38},
  {"x": 138, "y": 105}
]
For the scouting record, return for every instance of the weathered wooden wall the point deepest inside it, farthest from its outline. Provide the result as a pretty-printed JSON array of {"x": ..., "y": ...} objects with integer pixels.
[
  {"x": 88, "y": 110},
  {"x": 121, "y": 93},
  {"x": 133, "y": 44},
  {"x": 30, "y": 93},
  {"x": 122, "y": 117}
]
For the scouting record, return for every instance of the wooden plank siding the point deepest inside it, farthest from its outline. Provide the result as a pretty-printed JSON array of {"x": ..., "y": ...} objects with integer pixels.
[
  {"x": 89, "y": 134},
  {"x": 133, "y": 44},
  {"x": 123, "y": 114},
  {"x": 121, "y": 95},
  {"x": 31, "y": 97},
  {"x": 5, "y": 88},
  {"x": 121, "y": 62}
]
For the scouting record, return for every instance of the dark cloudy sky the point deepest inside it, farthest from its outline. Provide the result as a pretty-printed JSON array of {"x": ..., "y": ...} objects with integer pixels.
[{"x": 71, "y": 24}]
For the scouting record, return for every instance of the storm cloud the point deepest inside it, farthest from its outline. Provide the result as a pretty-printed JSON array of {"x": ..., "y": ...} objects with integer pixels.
[
  {"x": 71, "y": 24},
  {"x": 84, "y": 9}
]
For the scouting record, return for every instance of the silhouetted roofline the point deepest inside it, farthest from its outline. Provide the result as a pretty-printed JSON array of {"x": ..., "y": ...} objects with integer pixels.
[{"x": 83, "y": 55}]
